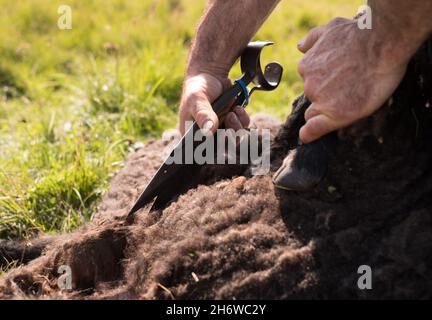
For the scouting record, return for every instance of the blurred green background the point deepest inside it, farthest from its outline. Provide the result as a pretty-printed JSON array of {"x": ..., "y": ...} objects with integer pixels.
[{"x": 74, "y": 103}]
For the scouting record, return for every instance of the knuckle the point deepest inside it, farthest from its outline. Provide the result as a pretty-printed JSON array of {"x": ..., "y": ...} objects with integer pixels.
[
  {"x": 314, "y": 32},
  {"x": 193, "y": 108},
  {"x": 201, "y": 116},
  {"x": 301, "y": 68},
  {"x": 197, "y": 105},
  {"x": 310, "y": 88},
  {"x": 192, "y": 97},
  {"x": 310, "y": 112}
]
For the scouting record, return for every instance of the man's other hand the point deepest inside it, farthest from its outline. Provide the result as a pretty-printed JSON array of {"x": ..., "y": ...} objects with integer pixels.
[{"x": 348, "y": 73}]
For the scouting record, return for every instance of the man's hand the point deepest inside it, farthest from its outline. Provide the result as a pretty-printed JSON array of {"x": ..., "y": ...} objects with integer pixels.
[
  {"x": 224, "y": 31},
  {"x": 348, "y": 74},
  {"x": 195, "y": 104}
]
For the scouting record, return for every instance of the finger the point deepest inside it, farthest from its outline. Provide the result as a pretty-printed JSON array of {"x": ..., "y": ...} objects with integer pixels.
[
  {"x": 204, "y": 115},
  {"x": 312, "y": 37},
  {"x": 316, "y": 127},
  {"x": 233, "y": 122},
  {"x": 242, "y": 115},
  {"x": 311, "y": 112}
]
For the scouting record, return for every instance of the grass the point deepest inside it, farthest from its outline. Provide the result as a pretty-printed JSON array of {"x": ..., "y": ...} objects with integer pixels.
[
  {"x": 74, "y": 102},
  {"x": 8, "y": 265}
]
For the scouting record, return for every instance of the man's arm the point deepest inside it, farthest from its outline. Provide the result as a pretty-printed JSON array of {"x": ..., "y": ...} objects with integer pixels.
[
  {"x": 224, "y": 31},
  {"x": 349, "y": 73}
]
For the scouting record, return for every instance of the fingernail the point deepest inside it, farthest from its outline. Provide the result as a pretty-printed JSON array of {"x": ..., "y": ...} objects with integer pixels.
[
  {"x": 301, "y": 43},
  {"x": 208, "y": 125}
]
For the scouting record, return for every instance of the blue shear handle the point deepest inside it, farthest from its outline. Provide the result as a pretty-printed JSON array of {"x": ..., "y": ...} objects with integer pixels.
[{"x": 245, "y": 91}]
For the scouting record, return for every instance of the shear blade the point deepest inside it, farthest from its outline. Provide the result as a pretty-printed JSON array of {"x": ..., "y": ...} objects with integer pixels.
[{"x": 168, "y": 182}]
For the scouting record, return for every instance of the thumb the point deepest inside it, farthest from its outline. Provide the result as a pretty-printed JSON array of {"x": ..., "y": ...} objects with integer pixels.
[
  {"x": 316, "y": 127},
  {"x": 204, "y": 115},
  {"x": 312, "y": 37}
]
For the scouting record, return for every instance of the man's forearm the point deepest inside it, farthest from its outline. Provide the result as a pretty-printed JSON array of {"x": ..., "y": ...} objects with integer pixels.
[
  {"x": 224, "y": 31},
  {"x": 407, "y": 23}
]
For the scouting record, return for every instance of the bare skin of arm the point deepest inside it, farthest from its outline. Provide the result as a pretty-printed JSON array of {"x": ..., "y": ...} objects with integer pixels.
[
  {"x": 349, "y": 73},
  {"x": 224, "y": 31}
]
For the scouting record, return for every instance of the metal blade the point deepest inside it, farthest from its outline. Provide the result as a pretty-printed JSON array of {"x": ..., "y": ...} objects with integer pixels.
[{"x": 166, "y": 178}]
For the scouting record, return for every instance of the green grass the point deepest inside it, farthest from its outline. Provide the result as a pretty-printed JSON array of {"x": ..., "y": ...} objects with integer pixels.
[
  {"x": 74, "y": 102},
  {"x": 8, "y": 265}
]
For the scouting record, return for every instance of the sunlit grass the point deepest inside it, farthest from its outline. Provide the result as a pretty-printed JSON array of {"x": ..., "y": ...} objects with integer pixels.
[
  {"x": 73, "y": 102},
  {"x": 8, "y": 265}
]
